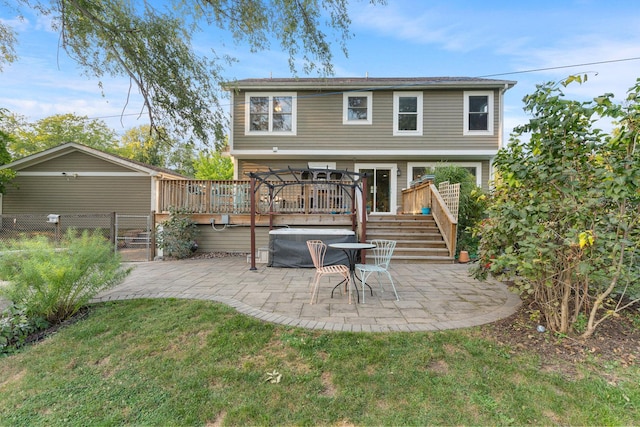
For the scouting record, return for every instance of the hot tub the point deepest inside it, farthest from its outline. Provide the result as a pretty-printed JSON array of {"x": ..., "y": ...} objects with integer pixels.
[{"x": 288, "y": 246}]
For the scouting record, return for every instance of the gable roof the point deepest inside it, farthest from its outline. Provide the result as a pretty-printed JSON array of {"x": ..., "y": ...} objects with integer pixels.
[
  {"x": 369, "y": 83},
  {"x": 70, "y": 147}
]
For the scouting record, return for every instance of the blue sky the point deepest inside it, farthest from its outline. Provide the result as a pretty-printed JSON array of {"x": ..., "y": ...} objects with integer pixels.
[{"x": 406, "y": 38}]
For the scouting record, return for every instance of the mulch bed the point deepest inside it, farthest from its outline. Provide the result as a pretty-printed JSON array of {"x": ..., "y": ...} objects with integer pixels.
[{"x": 616, "y": 340}]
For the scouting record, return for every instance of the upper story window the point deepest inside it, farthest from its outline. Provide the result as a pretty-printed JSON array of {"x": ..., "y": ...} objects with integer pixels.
[
  {"x": 478, "y": 113},
  {"x": 407, "y": 113},
  {"x": 271, "y": 113},
  {"x": 356, "y": 107}
]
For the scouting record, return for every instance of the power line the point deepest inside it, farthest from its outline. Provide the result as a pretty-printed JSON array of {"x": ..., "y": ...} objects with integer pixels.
[
  {"x": 559, "y": 67},
  {"x": 532, "y": 70}
]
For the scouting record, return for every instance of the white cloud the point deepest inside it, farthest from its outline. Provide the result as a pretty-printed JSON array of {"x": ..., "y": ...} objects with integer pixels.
[
  {"x": 17, "y": 24},
  {"x": 429, "y": 26},
  {"x": 602, "y": 77}
]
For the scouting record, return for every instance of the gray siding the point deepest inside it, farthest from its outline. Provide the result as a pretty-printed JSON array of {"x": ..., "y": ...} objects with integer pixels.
[
  {"x": 48, "y": 195},
  {"x": 319, "y": 125},
  {"x": 231, "y": 239},
  {"x": 245, "y": 166}
]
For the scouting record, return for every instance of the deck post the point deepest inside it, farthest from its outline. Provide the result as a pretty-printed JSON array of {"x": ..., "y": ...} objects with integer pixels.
[
  {"x": 363, "y": 235},
  {"x": 253, "y": 224}
]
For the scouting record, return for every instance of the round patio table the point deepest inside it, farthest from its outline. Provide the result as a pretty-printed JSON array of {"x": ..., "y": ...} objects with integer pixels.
[{"x": 352, "y": 250}]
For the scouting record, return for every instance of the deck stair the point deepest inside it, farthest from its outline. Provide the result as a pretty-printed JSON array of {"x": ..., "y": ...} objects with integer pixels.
[{"x": 417, "y": 237}]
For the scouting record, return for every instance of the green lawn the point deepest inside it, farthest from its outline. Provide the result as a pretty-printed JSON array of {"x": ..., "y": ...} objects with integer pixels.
[{"x": 170, "y": 362}]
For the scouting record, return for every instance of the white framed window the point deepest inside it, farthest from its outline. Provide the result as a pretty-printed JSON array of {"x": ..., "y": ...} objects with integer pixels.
[
  {"x": 272, "y": 113},
  {"x": 407, "y": 113},
  {"x": 478, "y": 113},
  {"x": 416, "y": 169},
  {"x": 356, "y": 108}
]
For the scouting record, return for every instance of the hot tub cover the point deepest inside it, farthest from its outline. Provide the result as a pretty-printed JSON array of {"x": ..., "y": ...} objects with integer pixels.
[{"x": 288, "y": 246}]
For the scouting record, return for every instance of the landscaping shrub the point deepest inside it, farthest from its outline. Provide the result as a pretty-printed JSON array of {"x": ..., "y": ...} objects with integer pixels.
[
  {"x": 564, "y": 223},
  {"x": 177, "y": 236},
  {"x": 54, "y": 283},
  {"x": 16, "y": 326}
]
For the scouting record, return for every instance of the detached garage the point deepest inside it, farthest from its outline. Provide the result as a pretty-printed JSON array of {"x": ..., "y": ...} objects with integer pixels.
[{"x": 73, "y": 178}]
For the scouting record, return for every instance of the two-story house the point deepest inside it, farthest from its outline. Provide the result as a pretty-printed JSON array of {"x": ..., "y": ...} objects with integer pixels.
[{"x": 393, "y": 128}]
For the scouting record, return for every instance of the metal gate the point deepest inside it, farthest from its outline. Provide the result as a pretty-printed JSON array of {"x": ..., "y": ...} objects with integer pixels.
[{"x": 133, "y": 237}]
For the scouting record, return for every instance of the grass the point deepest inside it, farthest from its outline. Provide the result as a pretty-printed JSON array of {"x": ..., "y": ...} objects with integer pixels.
[{"x": 170, "y": 362}]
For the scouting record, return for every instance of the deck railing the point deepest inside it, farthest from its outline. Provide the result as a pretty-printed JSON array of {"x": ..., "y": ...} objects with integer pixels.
[
  {"x": 220, "y": 197},
  {"x": 426, "y": 195}
]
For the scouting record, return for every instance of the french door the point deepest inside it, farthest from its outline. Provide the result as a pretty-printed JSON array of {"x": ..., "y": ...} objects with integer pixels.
[{"x": 382, "y": 185}]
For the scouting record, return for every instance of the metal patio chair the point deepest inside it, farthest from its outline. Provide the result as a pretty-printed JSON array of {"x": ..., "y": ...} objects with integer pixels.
[
  {"x": 318, "y": 249},
  {"x": 381, "y": 256}
]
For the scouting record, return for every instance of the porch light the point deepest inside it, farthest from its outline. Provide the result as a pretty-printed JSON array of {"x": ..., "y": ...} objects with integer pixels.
[{"x": 398, "y": 172}]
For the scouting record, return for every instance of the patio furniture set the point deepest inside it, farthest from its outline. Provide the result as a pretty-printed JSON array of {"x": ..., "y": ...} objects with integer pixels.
[{"x": 380, "y": 251}]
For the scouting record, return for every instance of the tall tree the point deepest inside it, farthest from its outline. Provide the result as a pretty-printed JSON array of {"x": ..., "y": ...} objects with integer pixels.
[
  {"x": 7, "y": 45},
  {"x": 6, "y": 175},
  {"x": 138, "y": 144},
  {"x": 30, "y": 138},
  {"x": 151, "y": 45},
  {"x": 213, "y": 165},
  {"x": 141, "y": 145}
]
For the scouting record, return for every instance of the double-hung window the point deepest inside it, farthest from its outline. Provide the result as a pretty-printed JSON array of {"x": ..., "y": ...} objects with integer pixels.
[
  {"x": 356, "y": 108},
  {"x": 478, "y": 113},
  {"x": 271, "y": 113},
  {"x": 407, "y": 113}
]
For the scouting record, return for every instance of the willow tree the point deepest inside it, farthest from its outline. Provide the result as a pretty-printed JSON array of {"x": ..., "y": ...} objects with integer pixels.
[
  {"x": 564, "y": 223},
  {"x": 6, "y": 175},
  {"x": 150, "y": 43},
  {"x": 7, "y": 45}
]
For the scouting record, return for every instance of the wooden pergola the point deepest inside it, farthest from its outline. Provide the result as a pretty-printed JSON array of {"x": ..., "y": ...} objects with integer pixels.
[{"x": 348, "y": 182}]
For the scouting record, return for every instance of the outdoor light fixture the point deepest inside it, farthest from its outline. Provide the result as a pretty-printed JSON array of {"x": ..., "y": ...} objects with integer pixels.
[{"x": 398, "y": 172}]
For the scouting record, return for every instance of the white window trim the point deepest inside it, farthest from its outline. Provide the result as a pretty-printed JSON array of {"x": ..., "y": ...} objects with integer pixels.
[
  {"x": 345, "y": 108},
  {"x": 477, "y": 165},
  {"x": 396, "y": 112},
  {"x": 489, "y": 95},
  {"x": 271, "y": 95}
]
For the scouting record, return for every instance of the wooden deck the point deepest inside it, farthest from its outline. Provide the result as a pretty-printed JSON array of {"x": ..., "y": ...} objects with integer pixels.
[{"x": 327, "y": 204}]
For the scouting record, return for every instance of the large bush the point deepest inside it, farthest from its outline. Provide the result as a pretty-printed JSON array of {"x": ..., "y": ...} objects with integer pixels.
[
  {"x": 177, "y": 235},
  {"x": 564, "y": 224},
  {"x": 55, "y": 282}
]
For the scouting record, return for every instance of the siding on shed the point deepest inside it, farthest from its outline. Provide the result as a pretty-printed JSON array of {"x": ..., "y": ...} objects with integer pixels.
[
  {"x": 85, "y": 194},
  {"x": 76, "y": 161}
]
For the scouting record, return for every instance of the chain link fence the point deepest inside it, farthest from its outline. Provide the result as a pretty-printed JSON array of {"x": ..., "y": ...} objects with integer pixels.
[
  {"x": 130, "y": 234},
  {"x": 134, "y": 237}
]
